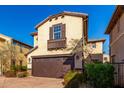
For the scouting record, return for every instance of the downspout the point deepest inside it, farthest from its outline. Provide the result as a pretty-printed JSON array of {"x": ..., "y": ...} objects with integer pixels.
[{"x": 84, "y": 38}]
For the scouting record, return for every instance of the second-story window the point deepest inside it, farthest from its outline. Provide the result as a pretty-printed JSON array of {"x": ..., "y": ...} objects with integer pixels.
[
  {"x": 94, "y": 45},
  {"x": 57, "y": 31}
]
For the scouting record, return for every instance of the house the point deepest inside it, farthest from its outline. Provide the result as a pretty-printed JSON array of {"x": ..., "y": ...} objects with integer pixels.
[
  {"x": 54, "y": 51},
  {"x": 115, "y": 30},
  {"x": 94, "y": 51},
  {"x": 9, "y": 44}
]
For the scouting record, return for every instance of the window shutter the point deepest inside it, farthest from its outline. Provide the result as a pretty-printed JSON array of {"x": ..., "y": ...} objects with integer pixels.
[
  {"x": 63, "y": 31},
  {"x": 51, "y": 33}
]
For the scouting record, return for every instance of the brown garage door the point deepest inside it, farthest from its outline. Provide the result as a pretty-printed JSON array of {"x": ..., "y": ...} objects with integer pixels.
[{"x": 51, "y": 67}]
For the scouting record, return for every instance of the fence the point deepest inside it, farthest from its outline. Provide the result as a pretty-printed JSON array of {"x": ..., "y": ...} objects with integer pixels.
[{"x": 119, "y": 74}]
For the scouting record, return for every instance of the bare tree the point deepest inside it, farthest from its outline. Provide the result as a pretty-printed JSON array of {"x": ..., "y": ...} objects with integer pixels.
[
  {"x": 77, "y": 45},
  {"x": 88, "y": 50}
]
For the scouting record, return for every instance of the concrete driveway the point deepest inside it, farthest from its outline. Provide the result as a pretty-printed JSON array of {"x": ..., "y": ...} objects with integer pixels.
[{"x": 30, "y": 82}]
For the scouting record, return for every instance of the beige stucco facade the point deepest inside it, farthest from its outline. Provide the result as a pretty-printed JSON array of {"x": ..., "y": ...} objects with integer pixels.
[
  {"x": 93, "y": 51},
  {"x": 74, "y": 31},
  {"x": 116, "y": 41},
  {"x": 96, "y": 50},
  {"x": 115, "y": 30},
  {"x": 106, "y": 58},
  {"x": 35, "y": 40}
]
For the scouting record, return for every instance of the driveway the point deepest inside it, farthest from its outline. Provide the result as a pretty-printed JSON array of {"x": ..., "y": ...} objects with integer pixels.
[{"x": 30, "y": 82}]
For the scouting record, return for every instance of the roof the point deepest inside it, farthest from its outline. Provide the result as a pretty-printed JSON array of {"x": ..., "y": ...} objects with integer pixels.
[
  {"x": 96, "y": 40},
  {"x": 34, "y": 33},
  {"x": 2, "y": 36},
  {"x": 55, "y": 56},
  {"x": 22, "y": 43},
  {"x": 31, "y": 50},
  {"x": 116, "y": 15},
  {"x": 84, "y": 15},
  {"x": 5, "y": 36}
]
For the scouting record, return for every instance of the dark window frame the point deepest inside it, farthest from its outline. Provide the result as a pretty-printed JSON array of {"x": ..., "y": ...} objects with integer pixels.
[
  {"x": 94, "y": 45},
  {"x": 57, "y": 30},
  {"x": 57, "y": 43}
]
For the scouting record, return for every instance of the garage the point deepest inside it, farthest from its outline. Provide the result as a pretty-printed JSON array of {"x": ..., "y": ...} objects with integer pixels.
[{"x": 51, "y": 66}]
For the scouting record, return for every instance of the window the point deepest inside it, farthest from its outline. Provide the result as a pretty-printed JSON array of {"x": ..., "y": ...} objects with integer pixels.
[
  {"x": 94, "y": 45},
  {"x": 57, "y": 31}
]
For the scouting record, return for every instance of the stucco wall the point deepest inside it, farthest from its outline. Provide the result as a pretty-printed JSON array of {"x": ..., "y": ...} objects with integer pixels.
[
  {"x": 35, "y": 40},
  {"x": 106, "y": 58},
  {"x": 74, "y": 30},
  {"x": 90, "y": 50},
  {"x": 98, "y": 49},
  {"x": 116, "y": 40}
]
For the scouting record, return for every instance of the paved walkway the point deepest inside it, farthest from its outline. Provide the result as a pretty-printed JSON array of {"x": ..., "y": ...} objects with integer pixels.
[{"x": 30, "y": 82}]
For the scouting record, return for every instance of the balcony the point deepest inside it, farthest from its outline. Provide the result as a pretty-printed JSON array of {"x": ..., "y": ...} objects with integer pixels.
[{"x": 56, "y": 44}]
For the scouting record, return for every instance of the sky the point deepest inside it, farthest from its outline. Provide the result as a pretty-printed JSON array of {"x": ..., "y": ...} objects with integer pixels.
[{"x": 19, "y": 21}]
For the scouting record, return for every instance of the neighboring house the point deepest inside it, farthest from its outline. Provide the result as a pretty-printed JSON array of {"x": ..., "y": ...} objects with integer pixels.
[
  {"x": 116, "y": 31},
  {"x": 94, "y": 51},
  {"x": 54, "y": 52},
  {"x": 20, "y": 47}
]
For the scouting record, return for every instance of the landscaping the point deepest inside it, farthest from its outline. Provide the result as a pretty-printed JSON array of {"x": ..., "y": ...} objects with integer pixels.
[
  {"x": 17, "y": 71},
  {"x": 95, "y": 75}
]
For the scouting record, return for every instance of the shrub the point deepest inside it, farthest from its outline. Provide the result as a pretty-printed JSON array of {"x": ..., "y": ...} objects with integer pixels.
[
  {"x": 22, "y": 74},
  {"x": 99, "y": 75},
  {"x": 13, "y": 67},
  {"x": 23, "y": 68},
  {"x": 19, "y": 68},
  {"x": 68, "y": 76},
  {"x": 10, "y": 73}
]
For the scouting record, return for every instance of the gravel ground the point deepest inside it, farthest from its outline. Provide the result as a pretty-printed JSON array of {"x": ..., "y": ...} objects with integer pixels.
[{"x": 30, "y": 82}]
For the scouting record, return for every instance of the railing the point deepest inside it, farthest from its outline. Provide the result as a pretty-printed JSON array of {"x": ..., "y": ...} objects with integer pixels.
[
  {"x": 119, "y": 74},
  {"x": 55, "y": 44}
]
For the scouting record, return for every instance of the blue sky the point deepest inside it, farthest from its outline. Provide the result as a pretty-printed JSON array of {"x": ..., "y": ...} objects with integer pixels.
[{"x": 19, "y": 21}]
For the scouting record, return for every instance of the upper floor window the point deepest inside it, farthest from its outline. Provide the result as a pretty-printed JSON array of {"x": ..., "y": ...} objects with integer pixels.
[
  {"x": 94, "y": 45},
  {"x": 57, "y": 29}
]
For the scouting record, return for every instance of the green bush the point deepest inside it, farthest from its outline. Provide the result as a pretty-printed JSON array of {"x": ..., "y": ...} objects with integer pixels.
[
  {"x": 73, "y": 79},
  {"x": 99, "y": 75},
  {"x": 23, "y": 68},
  {"x": 19, "y": 68},
  {"x": 22, "y": 74},
  {"x": 13, "y": 67}
]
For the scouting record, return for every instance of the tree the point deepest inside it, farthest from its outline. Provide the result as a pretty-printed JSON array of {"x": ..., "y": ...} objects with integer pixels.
[
  {"x": 77, "y": 45},
  {"x": 8, "y": 53},
  {"x": 88, "y": 51}
]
